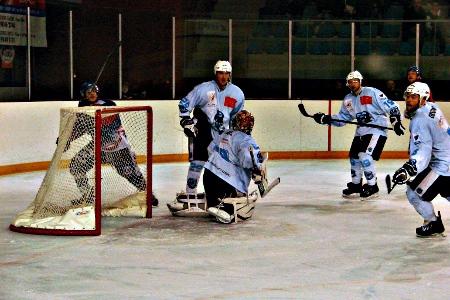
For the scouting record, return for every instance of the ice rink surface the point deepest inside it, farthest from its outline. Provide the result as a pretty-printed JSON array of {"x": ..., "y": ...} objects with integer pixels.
[{"x": 303, "y": 242}]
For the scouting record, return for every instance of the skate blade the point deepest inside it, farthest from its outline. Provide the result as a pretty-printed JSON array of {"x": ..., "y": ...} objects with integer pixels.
[
  {"x": 371, "y": 197},
  {"x": 353, "y": 196},
  {"x": 433, "y": 236}
]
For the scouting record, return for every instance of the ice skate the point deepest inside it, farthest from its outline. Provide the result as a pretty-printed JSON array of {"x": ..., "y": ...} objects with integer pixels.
[
  {"x": 431, "y": 229},
  {"x": 155, "y": 201},
  {"x": 369, "y": 192},
  {"x": 352, "y": 191},
  {"x": 221, "y": 215}
]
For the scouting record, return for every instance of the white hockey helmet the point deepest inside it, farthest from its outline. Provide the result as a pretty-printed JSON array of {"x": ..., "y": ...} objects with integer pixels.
[
  {"x": 354, "y": 75},
  {"x": 222, "y": 66},
  {"x": 418, "y": 88}
]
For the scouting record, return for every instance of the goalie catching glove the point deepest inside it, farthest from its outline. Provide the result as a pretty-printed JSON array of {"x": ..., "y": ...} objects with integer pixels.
[
  {"x": 188, "y": 125},
  {"x": 322, "y": 118},
  {"x": 402, "y": 175}
]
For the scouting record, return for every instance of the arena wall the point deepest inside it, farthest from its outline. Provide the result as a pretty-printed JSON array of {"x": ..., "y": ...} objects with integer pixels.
[{"x": 30, "y": 129}]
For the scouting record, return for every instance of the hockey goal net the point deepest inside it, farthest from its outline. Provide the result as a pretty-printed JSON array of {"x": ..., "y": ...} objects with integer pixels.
[{"x": 101, "y": 166}]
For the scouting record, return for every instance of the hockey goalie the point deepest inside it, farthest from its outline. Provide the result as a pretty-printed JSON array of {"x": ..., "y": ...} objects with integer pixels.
[{"x": 234, "y": 159}]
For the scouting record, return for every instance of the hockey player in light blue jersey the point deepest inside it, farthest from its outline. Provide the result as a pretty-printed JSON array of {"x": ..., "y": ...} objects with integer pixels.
[
  {"x": 367, "y": 105},
  {"x": 229, "y": 168},
  {"x": 429, "y": 158},
  {"x": 212, "y": 104}
]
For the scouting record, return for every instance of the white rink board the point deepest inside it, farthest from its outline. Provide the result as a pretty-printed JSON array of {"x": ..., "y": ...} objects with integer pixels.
[{"x": 29, "y": 129}]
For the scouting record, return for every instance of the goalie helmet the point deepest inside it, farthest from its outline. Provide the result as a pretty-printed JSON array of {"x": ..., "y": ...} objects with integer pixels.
[
  {"x": 222, "y": 66},
  {"x": 416, "y": 70},
  {"x": 418, "y": 88},
  {"x": 243, "y": 121},
  {"x": 88, "y": 86},
  {"x": 354, "y": 75}
]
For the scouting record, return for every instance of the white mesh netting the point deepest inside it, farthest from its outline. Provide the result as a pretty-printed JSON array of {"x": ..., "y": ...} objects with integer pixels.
[{"x": 67, "y": 198}]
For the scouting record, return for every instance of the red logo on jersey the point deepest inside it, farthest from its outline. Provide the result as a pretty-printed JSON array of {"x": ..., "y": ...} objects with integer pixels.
[
  {"x": 366, "y": 100},
  {"x": 230, "y": 102}
]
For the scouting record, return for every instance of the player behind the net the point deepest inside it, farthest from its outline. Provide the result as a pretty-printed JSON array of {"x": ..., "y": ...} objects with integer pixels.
[
  {"x": 213, "y": 104},
  {"x": 115, "y": 148},
  {"x": 367, "y": 105},
  {"x": 429, "y": 158}
]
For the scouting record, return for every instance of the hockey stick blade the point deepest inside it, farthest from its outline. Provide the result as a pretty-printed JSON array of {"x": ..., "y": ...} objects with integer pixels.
[
  {"x": 263, "y": 191},
  {"x": 303, "y": 111},
  {"x": 389, "y": 185}
]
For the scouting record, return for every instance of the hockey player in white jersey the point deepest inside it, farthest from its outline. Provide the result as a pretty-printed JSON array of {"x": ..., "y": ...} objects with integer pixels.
[
  {"x": 367, "y": 105},
  {"x": 429, "y": 158},
  {"x": 212, "y": 104},
  {"x": 229, "y": 169}
]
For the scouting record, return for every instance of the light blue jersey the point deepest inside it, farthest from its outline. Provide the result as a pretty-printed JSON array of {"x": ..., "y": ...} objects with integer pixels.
[
  {"x": 220, "y": 106},
  {"x": 430, "y": 140},
  {"x": 229, "y": 158},
  {"x": 371, "y": 106}
]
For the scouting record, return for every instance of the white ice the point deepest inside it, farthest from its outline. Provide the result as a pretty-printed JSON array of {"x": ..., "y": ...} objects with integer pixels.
[{"x": 303, "y": 242}]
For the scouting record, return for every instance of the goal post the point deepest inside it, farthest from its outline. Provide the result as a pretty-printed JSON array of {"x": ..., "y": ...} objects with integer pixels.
[{"x": 102, "y": 166}]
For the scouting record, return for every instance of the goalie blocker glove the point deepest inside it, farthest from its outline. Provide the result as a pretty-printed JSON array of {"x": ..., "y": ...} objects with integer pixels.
[
  {"x": 322, "y": 118},
  {"x": 396, "y": 122},
  {"x": 188, "y": 125},
  {"x": 402, "y": 175}
]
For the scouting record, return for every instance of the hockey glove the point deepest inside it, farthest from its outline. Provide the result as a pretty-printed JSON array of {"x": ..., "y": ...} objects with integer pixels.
[
  {"x": 188, "y": 125},
  {"x": 322, "y": 118},
  {"x": 402, "y": 175},
  {"x": 397, "y": 124}
]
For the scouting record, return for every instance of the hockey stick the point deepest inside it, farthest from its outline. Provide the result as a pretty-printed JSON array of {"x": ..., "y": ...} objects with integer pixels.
[
  {"x": 303, "y": 111},
  {"x": 389, "y": 185},
  {"x": 264, "y": 187},
  {"x": 106, "y": 61}
]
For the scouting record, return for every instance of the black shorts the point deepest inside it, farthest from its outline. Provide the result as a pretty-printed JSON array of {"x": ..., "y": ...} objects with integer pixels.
[
  {"x": 428, "y": 185},
  {"x": 198, "y": 146},
  {"x": 369, "y": 143},
  {"x": 216, "y": 188}
]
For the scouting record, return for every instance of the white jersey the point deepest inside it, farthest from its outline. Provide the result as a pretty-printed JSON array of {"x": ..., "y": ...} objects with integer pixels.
[
  {"x": 230, "y": 159},
  {"x": 430, "y": 140},
  {"x": 371, "y": 106},
  {"x": 220, "y": 106}
]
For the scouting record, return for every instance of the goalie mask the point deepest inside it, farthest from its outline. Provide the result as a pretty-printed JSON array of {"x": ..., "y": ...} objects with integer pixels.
[
  {"x": 88, "y": 86},
  {"x": 243, "y": 121}
]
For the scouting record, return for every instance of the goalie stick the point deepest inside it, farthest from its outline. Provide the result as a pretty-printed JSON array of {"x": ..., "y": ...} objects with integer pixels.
[
  {"x": 303, "y": 111},
  {"x": 264, "y": 187}
]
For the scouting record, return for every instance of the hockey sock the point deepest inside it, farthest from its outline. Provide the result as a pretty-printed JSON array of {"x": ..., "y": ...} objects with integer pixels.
[
  {"x": 356, "y": 169},
  {"x": 424, "y": 208},
  {"x": 368, "y": 167},
  {"x": 194, "y": 173}
]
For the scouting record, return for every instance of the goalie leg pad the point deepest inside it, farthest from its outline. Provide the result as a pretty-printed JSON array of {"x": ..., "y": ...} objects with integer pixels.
[
  {"x": 243, "y": 208},
  {"x": 189, "y": 205}
]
